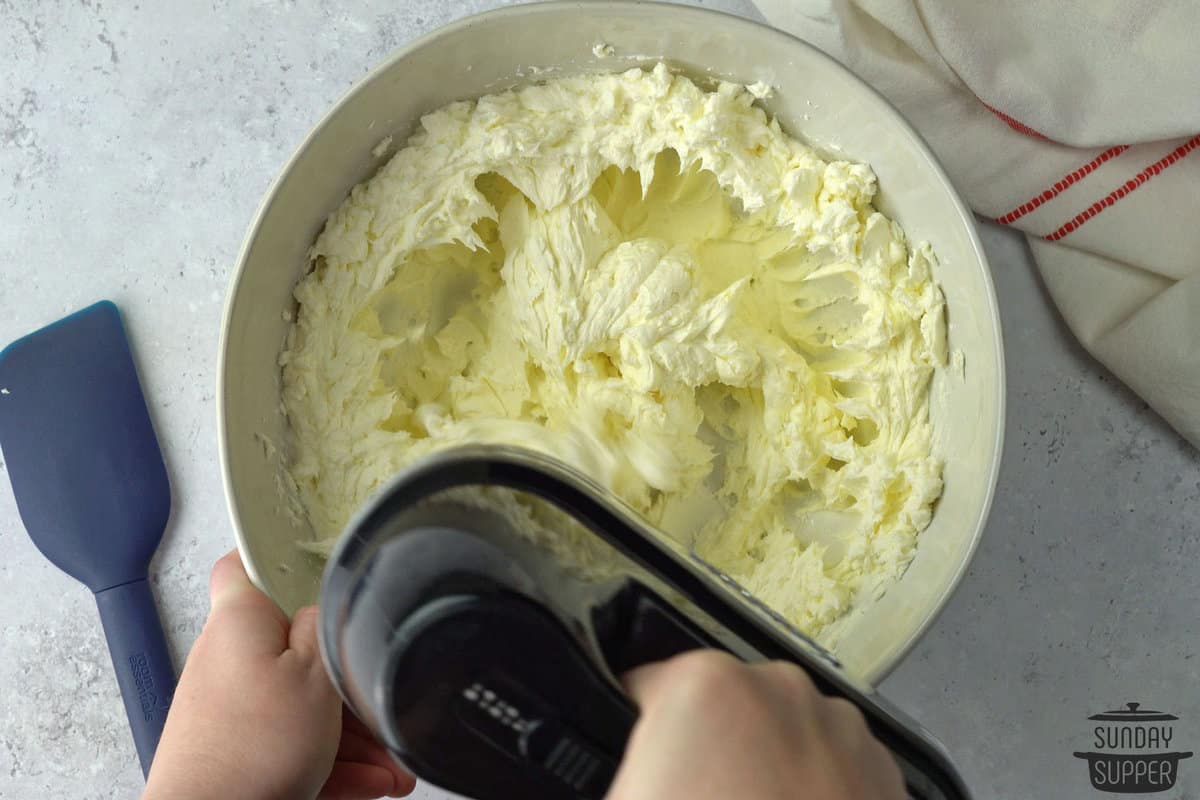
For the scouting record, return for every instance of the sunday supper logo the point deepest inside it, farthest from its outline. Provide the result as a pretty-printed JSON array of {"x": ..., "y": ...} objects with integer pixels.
[{"x": 1132, "y": 752}]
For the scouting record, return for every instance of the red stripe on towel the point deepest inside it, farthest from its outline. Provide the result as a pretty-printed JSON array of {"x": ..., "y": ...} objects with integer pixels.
[
  {"x": 1060, "y": 185},
  {"x": 1016, "y": 125},
  {"x": 1131, "y": 185}
]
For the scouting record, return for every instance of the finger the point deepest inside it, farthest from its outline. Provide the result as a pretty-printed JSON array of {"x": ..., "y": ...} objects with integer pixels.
[
  {"x": 230, "y": 586},
  {"x": 228, "y": 580},
  {"x": 845, "y": 720},
  {"x": 643, "y": 683},
  {"x": 365, "y": 750},
  {"x": 355, "y": 747},
  {"x": 353, "y": 781},
  {"x": 787, "y": 676},
  {"x": 405, "y": 783},
  {"x": 698, "y": 668},
  {"x": 352, "y": 723},
  {"x": 241, "y": 612},
  {"x": 891, "y": 779},
  {"x": 303, "y": 635},
  {"x": 787, "y": 683},
  {"x": 359, "y": 744}
]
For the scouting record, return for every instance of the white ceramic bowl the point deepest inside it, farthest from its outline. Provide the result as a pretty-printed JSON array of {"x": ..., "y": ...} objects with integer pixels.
[{"x": 815, "y": 99}]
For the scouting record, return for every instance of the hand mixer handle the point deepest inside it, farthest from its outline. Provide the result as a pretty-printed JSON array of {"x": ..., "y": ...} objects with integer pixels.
[
  {"x": 636, "y": 627},
  {"x": 523, "y": 709}
]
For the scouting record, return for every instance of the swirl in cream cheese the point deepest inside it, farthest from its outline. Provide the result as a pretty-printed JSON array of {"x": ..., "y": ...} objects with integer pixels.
[{"x": 710, "y": 318}]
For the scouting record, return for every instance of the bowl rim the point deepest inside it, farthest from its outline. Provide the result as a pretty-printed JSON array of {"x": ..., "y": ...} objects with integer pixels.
[{"x": 604, "y": 7}]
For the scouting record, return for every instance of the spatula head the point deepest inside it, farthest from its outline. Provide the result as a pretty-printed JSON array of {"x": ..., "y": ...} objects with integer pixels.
[{"x": 79, "y": 448}]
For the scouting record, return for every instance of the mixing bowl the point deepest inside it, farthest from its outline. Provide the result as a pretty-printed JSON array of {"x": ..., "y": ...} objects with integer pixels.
[{"x": 815, "y": 99}]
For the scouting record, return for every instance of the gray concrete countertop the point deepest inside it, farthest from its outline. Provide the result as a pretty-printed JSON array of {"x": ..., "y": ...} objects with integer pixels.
[{"x": 135, "y": 144}]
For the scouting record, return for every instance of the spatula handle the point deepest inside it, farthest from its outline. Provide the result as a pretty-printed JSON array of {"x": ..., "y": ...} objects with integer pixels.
[{"x": 143, "y": 666}]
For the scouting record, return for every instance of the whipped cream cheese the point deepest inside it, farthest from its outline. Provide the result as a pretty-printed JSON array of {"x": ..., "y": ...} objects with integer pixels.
[{"x": 656, "y": 283}]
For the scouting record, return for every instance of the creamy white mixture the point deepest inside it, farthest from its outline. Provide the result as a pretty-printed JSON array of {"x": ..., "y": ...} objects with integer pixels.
[{"x": 657, "y": 283}]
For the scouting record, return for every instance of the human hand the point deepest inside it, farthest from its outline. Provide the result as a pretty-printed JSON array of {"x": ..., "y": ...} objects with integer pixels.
[
  {"x": 255, "y": 717},
  {"x": 711, "y": 726}
]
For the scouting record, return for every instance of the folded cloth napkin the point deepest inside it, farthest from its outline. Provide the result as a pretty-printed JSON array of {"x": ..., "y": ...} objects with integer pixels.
[{"x": 1076, "y": 122}]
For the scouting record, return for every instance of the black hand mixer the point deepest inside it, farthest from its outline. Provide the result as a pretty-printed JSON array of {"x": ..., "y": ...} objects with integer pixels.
[{"x": 488, "y": 665}]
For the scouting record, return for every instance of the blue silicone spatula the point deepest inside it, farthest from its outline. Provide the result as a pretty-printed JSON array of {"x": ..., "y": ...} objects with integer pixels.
[{"x": 91, "y": 488}]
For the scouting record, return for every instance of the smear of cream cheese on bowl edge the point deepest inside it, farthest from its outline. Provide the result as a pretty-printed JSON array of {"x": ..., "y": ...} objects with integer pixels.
[{"x": 693, "y": 307}]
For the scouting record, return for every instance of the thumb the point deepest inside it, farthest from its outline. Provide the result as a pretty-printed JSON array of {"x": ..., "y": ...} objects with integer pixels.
[
  {"x": 239, "y": 611},
  {"x": 651, "y": 682},
  {"x": 645, "y": 682},
  {"x": 303, "y": 636},
  {"x": 228, "y": 581}
]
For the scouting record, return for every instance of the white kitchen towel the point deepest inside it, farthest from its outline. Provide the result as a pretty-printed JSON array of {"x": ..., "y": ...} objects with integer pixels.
[{"x": 1075, "y": 121}]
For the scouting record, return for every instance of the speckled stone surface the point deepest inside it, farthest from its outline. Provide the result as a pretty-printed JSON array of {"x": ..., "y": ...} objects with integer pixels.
[{"x": 136, "y": 142}]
